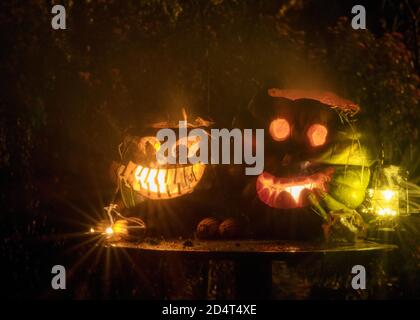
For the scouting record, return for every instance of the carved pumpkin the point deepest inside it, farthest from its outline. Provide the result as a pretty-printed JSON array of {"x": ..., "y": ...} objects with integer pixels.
[
  {"x": 315, "y": 161},
  {"x": 150, "y": 180},
  {"x": 171, "y": 199}
]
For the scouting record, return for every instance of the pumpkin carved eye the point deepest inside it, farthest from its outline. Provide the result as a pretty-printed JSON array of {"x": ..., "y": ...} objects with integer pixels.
[
  {"x": 279, "y": 129},
  {"x": 317, "y": 135},
  {"x": 191, "y": 144}
]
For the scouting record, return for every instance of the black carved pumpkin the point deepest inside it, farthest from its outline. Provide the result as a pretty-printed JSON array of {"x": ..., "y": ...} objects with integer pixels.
[{"x": 316, "y": 160}]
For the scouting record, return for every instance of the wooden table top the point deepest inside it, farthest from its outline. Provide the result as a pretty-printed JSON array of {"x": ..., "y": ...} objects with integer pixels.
[{"x": 232, "y": 248}]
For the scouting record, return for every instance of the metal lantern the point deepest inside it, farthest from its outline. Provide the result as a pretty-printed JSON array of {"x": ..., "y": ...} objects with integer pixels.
[{"x": 388, "y": 197}]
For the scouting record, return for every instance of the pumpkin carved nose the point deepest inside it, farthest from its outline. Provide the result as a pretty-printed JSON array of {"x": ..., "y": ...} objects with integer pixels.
[{"x": 287, "y": 159}]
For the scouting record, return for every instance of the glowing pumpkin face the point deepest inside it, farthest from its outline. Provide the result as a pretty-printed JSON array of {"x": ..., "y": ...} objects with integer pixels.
[
  {"x": 163, "y": 182},
  {"x": 144, "y": 178},
  {"x": 294, "y": 135},
  {"x": 314, "y": 158}
]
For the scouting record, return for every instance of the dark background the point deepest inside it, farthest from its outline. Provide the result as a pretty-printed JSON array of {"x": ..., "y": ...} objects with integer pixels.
[{"x": 67, "y": 97}]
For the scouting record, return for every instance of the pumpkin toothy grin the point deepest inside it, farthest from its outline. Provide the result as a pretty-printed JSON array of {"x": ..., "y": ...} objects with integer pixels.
[
  {"x": 288, "y": 193},
  {"x": 167, "y": 183},
  {"x": 162, "y": 183}
]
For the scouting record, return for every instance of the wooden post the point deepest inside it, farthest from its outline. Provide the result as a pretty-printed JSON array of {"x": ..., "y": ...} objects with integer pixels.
[{"x": 253, "y": 278}]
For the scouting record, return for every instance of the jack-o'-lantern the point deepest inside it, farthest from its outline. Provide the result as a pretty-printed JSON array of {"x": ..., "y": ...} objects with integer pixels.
[
  {"x": 151, "y": 180},
  {"x": 166, "y": 196},
  {"x": 316, "y": 160}
]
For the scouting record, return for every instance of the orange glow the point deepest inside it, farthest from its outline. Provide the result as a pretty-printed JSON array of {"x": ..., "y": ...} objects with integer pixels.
[
  {"x": 156, "y": 146},
  {"x": 296, "y": 190},
  {"x": 167, "y": 183},
  {"x": 287, "y": 193},
  {"x": 317, "y": 135},
  {"x": 279, "y": 129}
]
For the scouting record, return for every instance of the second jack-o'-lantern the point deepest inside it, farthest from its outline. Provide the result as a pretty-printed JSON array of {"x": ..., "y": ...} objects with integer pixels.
[{"x": 316, "y": 161}]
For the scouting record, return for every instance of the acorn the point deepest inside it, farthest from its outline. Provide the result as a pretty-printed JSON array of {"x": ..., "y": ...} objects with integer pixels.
[
  {"x": 208, "y": 228},
  {"x": 231, "y": 228}
]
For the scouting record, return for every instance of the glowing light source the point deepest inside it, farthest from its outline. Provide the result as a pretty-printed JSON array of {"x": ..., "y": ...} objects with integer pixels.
[
  {"x": 387, "y": 212},
  {"x": 92, "y": 230},
  {"x": 109, "y": 230},
  {"x": 279, "y": 129},
  {"x": 296, "y": 190},
  {"x": 388, "y": 194},
  {"x": 166, "y": 183},
  {"x": 156, "y": 146},
  {"x": 317, "y": 135},
  {"x": 286, "y": 193},
  {"x": 384, "y": 203}
]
